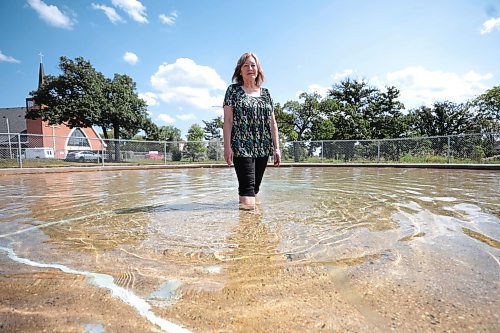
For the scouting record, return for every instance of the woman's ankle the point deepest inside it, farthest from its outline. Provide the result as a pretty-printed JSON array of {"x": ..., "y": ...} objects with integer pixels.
[{"x": 247, "y": 203}]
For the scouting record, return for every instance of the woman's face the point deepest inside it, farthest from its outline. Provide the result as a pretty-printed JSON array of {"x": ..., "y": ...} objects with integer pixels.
[{"x": 249, "y": 70}]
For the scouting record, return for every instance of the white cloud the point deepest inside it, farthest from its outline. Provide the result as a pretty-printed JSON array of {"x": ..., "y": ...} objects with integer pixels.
[
  {"x": 135, "y": 9},
  {"x": 490, "y": 25},
  {"x": 316, "y": 88},
  {"x": 168, "y": 20},
  {"x": 6, "y": 58},
  {"x": 150, "y": 98},
  {"x": 187, "y": 83},
  {"x": 219, "y": 111},
  {"x": 420, "y": 86},
  {"x": 344, "y": 74},
  {"x": 323, "y": 90},
  {"x": 110, "y": 12},
  {"x": 131, "y": 58},
  {"x": 188, "y": 116},
  {"x": 51, "y": 14},
  {"x": 166, "y": 118}
]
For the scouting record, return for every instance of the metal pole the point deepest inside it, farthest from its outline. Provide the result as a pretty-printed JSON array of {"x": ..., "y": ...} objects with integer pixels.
[
  {"x": 19, "y": 150},
  {"x": 165, "y": 152},
  {"x": 449, "y": 149},
  {"x": 322, "y": 150},
  {"x": 8, "y": 133},
  {"x": 102, "y": 150},
  {"x": 378, "y": 151}
]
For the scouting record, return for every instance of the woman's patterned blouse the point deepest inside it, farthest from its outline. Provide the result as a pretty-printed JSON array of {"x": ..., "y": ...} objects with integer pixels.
[{"x": 251, "y": 132}]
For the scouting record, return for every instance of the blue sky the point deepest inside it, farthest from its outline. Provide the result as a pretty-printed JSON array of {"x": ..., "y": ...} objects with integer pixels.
[{"x": 182, "y": 53}]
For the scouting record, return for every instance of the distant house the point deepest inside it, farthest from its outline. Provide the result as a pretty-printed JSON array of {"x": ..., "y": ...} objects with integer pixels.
[{"x": 18, "y": 132}]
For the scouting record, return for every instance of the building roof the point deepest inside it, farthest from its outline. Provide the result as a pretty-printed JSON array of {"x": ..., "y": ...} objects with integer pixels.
[{"x": 15, "y": 117}]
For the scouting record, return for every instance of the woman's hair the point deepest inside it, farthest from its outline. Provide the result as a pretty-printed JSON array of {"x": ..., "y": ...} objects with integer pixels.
[{"x": 237, "y": 71}]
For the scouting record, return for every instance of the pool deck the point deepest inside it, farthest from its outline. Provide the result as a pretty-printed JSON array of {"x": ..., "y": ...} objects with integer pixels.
[{"x": 17, "y": 171}]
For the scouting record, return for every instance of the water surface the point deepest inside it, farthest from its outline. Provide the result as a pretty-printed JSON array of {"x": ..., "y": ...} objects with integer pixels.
[{"x": 350, "y": 249}]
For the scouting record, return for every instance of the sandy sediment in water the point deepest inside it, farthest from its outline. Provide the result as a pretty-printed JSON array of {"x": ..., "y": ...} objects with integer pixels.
[
  {"x": 259, "y": 298},
  {"x": 256, "y": 288},
  {"x": 265, "y": 291},
  {"x": 48, "y": 300}
]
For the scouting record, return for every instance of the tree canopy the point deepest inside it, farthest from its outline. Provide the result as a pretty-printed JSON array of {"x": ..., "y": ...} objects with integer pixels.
[
  {"x": 487, "y": 107},
  {"x": 213, "y": 128},
  {"x": 195, "y": 146},
  {"x": 83, "y": 97}
]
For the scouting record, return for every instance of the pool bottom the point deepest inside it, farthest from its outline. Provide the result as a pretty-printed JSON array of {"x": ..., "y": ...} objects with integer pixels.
[
  {"x": 35, "y": 299},
  {"x": 265, "y": 293},
  {"x": 347, "y": 251}
]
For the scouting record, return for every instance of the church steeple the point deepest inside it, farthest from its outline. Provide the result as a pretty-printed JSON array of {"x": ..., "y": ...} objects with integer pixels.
[{"x": 41, "y": 74}]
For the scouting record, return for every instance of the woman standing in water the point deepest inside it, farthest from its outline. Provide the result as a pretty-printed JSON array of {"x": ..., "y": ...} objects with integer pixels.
[{"x": 250, "y": 129}]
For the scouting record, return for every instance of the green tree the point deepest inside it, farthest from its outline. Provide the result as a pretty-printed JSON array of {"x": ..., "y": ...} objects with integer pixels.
[
  {"x": 213, "y": 133},
  {"x": 195, "y": 147},
  {"x": 444, "y": 118},
  {"x": 172, "y": 135},
  {"x": 487, "y": 107},
  {"x": 303, "y": 114},
  {"x": 386, "y": 119},
  {"x": 76, "y": 97},
  {"x": 83, "y": 97},
  {"x": 123, "y": 109},
  {"x": 323, "y": 127},
  {"x": 354, "y": 99},
  {"x": 301, "y": 117},
  {"x": 213, "y": 128},
  {"x": 285, "y": 123},
  {"x": 169, "y": 133},
  {"x": 150, "y": 130}
]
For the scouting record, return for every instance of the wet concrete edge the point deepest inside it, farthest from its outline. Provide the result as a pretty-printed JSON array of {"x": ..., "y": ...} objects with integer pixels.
[{"x": 17, "y": 171}]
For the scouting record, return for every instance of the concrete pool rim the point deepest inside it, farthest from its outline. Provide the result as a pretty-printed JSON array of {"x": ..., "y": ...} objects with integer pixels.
[{"x": 18, "y": 171}]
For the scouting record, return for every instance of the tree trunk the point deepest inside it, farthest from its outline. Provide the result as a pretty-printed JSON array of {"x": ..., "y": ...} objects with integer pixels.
[{"x": 296, "y": 151}]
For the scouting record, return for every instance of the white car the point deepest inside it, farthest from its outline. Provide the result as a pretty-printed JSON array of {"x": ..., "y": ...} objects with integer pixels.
[{"x": 83, "y": 156}]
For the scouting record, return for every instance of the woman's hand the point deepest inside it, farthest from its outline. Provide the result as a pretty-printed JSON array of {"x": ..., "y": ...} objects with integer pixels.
[
  {"x": 228, "y": 156},
  {"x": 277, "y": 157}
]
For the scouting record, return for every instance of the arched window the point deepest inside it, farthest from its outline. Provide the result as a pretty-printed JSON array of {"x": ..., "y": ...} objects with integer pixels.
[{"x": 78, "y": 139}]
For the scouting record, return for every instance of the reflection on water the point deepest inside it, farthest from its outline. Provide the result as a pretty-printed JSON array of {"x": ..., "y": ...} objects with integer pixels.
[{"x": 177, "y": 240}]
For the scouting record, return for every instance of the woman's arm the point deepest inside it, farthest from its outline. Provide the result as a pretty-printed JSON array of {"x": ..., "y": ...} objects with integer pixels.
[
  {"x": 228, "y": 125},
  {"x": 276, "y": 142}
]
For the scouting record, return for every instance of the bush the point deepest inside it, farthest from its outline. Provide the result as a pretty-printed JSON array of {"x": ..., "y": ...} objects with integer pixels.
[
  {"x": 408, "y": 158},
  {"x": 176, "y": 154},
  {"x": 478, "y": 153}
]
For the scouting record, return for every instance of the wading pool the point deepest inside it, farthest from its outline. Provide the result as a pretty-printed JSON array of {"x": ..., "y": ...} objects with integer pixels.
[{"x": 328, "y": 250}]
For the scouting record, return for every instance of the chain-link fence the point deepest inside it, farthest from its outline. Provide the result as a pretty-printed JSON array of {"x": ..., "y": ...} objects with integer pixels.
[
  {"x": 27, "y": 150},
  {"x": 466, "y": 148}
]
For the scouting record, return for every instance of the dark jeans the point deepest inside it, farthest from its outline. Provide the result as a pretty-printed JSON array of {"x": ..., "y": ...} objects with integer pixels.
[{"x": 249, "y": 171}]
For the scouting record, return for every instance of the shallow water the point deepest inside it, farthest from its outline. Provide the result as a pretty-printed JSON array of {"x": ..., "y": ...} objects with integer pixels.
[{"x": 390, "y": 248}]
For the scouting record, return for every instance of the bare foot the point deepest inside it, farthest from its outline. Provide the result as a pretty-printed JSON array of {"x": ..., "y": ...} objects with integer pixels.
[{"x": 247, "y": 203}]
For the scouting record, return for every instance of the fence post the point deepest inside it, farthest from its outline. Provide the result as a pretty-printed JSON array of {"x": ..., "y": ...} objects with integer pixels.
[
  {"x": 19, "y": 150},
  {"x": 378, "y": 151},
  {"x": 322, "y": 149},
  {"x": 165, "y": 151},
  {"x": 449, "y": 149}
]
